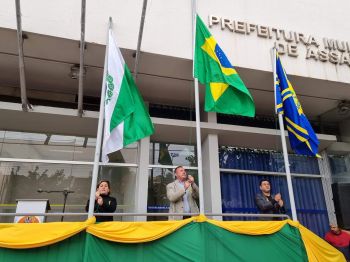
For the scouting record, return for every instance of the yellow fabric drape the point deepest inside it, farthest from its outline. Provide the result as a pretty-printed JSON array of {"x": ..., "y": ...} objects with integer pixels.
[
  {"x": 135, "y": 232},
  {"x": 316, "y": 248},
  {"x": 33, "y": 235},
  {"x": 22, "y": 236},
  {"x": 251, "y": 227}
]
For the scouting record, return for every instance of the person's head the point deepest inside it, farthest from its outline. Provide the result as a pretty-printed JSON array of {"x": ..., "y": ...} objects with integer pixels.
[
  {"x": 265, "y": 186},
  {"x": 103, "y": 187},
  {"x": 180, "y": 173},
  {"x": 335, "y": 229}
]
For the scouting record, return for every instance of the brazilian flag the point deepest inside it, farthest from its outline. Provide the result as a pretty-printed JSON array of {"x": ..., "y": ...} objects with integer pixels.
[{"x": 225, "y": 91}]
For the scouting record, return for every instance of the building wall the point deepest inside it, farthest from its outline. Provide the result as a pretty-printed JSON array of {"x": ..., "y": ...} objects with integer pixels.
[
  {"x": 168, "y": 32},
  {"x": 168, "y": 27}
]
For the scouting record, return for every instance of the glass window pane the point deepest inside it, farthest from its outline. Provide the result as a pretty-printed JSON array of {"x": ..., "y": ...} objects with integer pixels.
[
  {"x": 157, "y": 201},
  {"x": 2, "y": 136},
  {"x": 125, "y": 155},
  {"x": 340, "y": 167},
  {"x": 340, "y": 181},
  {"x": 22, "y": 181},
  {"x": 48, "y": 147},
  {"x": 58, "y": 147},
  {"x": 63, "y": 140},
  {"x": 24, "y": 138},
  {"x": 173, "y": 154},
  {"x": 91, "y": 142},
  {"x": 122, "y": 181}
]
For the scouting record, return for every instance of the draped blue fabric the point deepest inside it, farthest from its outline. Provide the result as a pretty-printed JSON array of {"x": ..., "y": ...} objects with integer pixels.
[
  {"x": 238, "y": 190},
  {"x": 248, "y": 159}
]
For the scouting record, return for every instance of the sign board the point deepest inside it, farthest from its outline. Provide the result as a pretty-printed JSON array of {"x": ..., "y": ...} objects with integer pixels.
[{"x": 31, "y": 206}]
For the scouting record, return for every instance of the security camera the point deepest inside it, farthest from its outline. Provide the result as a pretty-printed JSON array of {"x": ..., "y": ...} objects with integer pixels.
[{"x": 343, "y": 107}]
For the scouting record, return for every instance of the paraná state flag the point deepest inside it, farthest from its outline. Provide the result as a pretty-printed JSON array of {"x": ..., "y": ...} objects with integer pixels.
[{"x": 126, "y": 117}]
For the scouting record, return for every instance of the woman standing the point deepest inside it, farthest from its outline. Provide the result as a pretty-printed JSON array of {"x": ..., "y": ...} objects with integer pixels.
[{"x": 104, "y": 203}]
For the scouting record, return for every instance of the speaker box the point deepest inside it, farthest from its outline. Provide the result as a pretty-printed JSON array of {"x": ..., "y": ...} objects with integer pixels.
[{"x": 341, "y": 198}]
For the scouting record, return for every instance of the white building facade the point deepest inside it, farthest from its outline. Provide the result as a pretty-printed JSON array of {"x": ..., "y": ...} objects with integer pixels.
[{"x": 52, "y": 147}]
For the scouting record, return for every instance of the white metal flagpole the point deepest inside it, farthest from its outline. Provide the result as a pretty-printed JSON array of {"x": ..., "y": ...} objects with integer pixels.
[
  {"x": 284, "y": 145},
  {"x": 198, "y": 128},
  {"x": 99, "y": 131}
]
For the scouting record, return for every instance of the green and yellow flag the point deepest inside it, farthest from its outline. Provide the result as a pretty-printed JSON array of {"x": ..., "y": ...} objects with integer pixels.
[
  {"x": 126, "y": 117},
  {"x": 225, "y": 91}
]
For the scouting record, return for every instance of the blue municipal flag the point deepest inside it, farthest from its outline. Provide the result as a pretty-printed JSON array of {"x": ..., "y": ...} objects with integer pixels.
[{"x": 302, "y": 137}]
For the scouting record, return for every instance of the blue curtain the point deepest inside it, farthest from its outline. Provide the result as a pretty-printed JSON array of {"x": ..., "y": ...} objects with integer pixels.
[
  {"x": 238, "y": 190},
  {"x": 310, "y": 204},
  {"x": 248, "y": 159}
]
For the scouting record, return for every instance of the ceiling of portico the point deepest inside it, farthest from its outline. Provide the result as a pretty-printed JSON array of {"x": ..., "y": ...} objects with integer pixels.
[{"x": 161, "y": 79}]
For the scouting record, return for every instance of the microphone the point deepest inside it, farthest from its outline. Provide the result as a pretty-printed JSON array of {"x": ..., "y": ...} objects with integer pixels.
[
  {"x": 65, "y": 194},
  {"x": 65, "y": 191}
]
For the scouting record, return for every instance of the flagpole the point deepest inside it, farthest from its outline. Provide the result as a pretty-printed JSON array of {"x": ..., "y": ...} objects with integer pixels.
[
  {"x": 99, "y": 131},
  {"x": 198, "y": 128},
  {"x": 284, "y": 145}
]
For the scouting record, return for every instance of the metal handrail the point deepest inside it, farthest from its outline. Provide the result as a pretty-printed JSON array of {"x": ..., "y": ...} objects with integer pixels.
[
  {"x": 148, "y": 214},
  {"x": 247, "y": 215}
]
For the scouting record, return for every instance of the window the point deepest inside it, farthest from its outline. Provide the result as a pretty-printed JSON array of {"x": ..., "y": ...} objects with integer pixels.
[
  {"x": 172, "y": 155},
  {"x": 238, "y": 189},
  {"x": 32, "y": 161}
]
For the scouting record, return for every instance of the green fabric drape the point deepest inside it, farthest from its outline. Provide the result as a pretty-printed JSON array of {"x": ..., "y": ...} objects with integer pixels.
[
  {"x": 197, "y": 239},
  {"x": 68, "y": 250},
  {"x": 203, "y": 242}
]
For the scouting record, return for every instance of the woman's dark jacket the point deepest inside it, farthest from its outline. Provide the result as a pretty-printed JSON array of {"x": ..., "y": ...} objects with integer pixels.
[{"x": 109, "y": 206}]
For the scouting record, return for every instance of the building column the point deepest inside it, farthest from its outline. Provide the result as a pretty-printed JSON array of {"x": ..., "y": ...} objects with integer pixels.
[
  {"x": 210, "y": 117},
  {"x": 345, "y": 130},
  {"x": 141, "y": 188},
  {"x": 325, "y": 172},
  {"x": 211, "y": 175}
]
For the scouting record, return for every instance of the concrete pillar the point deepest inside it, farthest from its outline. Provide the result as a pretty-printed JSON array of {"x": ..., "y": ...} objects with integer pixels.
[
  {"x": 211, "y": 175},
  {"x": 141, "y": 189},
  {"x": 209, "y": 117},
  {"x": 345, "y": 130},
  {"x": 325, "y": 171}
]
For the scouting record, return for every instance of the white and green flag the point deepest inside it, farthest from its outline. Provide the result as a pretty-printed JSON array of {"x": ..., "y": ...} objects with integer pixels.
[{"x": 126, "y": 117}]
